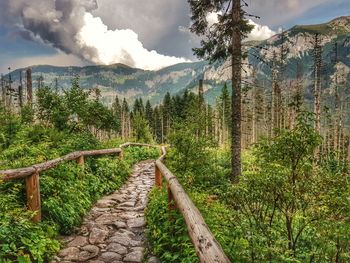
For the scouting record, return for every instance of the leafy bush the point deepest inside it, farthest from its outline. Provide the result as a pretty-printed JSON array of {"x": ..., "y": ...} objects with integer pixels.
[
  {"x": 167, "y": 231},
  {"x": 136, "y": 154}
]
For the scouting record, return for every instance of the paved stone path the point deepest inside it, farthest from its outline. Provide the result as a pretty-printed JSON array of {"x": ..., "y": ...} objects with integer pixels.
[{"x": 113, "y": 231}]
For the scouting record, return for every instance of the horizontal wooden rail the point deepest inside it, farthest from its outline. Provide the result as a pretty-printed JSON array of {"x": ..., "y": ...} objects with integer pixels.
[
  {"x": 207, "y": 248},
  {"x": 31, "y": 174},
  {"x": 7, "y": 175}
]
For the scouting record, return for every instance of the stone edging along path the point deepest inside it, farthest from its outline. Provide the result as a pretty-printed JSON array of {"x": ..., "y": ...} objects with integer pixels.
[{"x": 113, "y": 231}]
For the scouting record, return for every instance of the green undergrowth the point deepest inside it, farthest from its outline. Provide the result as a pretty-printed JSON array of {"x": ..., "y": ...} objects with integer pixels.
[
  {"x": 167, "y": 231},
  {"x": 286, "y": 207},
  {"x": 67, "y": 191}
]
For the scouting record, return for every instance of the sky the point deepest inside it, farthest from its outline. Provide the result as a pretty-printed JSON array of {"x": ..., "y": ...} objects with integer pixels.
[{"x": 148, "y": 34}]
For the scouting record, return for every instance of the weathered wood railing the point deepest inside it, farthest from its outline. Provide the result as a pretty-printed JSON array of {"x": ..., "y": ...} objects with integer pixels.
[
  {"x": 31, "y": 174},
  {"x": 207, "y": 248}
]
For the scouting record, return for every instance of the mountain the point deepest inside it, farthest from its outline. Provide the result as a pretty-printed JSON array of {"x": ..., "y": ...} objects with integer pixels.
[
  {"x": 131, "y": 83},
  {"x": 119, "y": 79}
]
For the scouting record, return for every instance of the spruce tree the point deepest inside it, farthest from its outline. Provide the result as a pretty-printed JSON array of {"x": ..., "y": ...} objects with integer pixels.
[
  {"x": 149, "y": 114},
  {"x": 219, "y": 42},
  {"x": 117, "y": 112}
]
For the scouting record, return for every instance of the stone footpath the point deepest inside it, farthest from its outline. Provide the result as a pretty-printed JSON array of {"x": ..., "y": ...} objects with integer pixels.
[{"x": 113, "y": 231}]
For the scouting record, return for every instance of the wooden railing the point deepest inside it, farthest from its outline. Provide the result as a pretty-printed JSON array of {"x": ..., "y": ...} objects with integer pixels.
[
  {"x": 207, "y": 248},
  {"x": 31, "y": 174}
]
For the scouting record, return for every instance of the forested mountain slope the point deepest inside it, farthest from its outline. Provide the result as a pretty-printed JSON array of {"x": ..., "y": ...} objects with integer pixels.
[{"x": 297, "y": 49}]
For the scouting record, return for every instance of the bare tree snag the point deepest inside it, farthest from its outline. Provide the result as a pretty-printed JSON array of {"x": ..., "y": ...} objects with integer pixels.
[
  {"x": 29, "y": 86},
  {"x": 317, "y": 83}
]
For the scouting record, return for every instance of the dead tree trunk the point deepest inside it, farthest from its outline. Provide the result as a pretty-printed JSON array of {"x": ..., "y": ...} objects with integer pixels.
[
  {"x": 317, "y": 83},
  {"x": 29, "y": 87}
]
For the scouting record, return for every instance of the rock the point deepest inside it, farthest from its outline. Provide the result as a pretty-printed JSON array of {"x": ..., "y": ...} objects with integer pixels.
[
  {"x": 128, "y": 204},
  {"x": 79, "y": 241},
  {"x": 125, "y": 232},
  {"x": 88, "y": 252},
  {"x": 97, "y": 235},
  {"x": 120, "y": 224},
  {"x": 130, "y": 215},
  {"x": 106, "y": 219},
  {"x": 136, "y": 222},
  {"x": 124, "y": 240},
  {"x": 153, "y": 260},
  {"x": 68, "y": 252},
  {"x": 104, "y": 203},
  {"x": 118, "y": 197},
  {"x": 115, "y": 247},
  {"x": 136, "y": 256},
  {"x": 96, "y": 261},
  {"x": 110, "y": 256},
  {"x": 141, "y": 249}
]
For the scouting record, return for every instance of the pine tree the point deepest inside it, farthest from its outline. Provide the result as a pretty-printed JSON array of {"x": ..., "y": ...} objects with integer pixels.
[
  {"x": 117, "y": 112},
  {"x": 220, "y": 41},
  {"x": 149, "y": 114},
  {"x": 166, "y": 114},
  {"x": 125, "y": 120}
]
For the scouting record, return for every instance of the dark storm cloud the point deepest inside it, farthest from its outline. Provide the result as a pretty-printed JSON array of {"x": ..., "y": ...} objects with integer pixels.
[{"x": 55, "y": 21}]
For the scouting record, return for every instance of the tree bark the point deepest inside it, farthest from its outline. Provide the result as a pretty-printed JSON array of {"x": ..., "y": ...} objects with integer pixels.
[{"x": 236, "y": 91}]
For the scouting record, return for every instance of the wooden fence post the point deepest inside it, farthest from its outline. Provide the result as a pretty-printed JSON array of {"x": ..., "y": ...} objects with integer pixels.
[
  {"x": 171, "y": 200},
  {"x": 158, "y": 177},
  {"x": 121, "y": 155},
  {"x": 33, "y": 195},
  {"x": 80, "y": 160}
]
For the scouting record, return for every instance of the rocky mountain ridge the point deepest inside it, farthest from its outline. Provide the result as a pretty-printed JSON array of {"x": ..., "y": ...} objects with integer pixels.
[{"x": 131, "y": 83}]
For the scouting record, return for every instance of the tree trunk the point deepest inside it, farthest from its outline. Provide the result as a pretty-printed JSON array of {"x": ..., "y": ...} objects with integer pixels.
[
  {"x": 236, "y": 91},
  {"x": 317, "y": 87}
]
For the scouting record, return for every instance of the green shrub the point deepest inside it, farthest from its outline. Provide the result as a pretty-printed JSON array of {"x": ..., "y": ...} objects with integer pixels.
[{"x": 167, "y": 231}]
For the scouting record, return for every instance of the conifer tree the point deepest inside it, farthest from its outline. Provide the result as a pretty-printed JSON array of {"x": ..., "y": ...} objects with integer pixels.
[
  {"x": 166, "y": 114},
  {"x": 149, "y": 114},
  {"x": 221, "y": 41},
  {"x": 117, "y": 112}
]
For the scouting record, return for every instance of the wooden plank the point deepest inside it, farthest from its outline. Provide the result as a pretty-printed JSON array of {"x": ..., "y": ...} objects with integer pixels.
[
  {"x": 207, "y": 248},
  {"x": 33, "y": 195}
]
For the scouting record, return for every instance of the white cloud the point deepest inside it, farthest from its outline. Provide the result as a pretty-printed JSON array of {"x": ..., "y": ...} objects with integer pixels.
[
  {"x": 212, "y": 18},
  {"x": 119, "y": 46},
  {"x": 259, "y": 32}
]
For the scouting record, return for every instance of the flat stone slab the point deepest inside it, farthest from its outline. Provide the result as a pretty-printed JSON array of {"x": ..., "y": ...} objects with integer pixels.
[
  {"x": 136, "y": 222},
  {"x": 113, "y": 231},
  {"x": 136, "y": 256}
]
